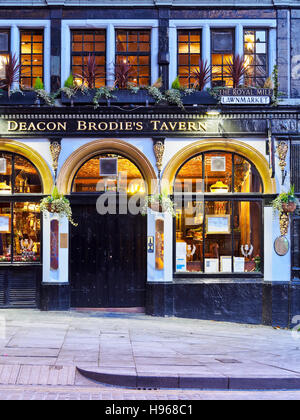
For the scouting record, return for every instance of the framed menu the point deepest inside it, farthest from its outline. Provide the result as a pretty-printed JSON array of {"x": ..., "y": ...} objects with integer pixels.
[
  {"x": 238, "y": 264},
  {"x": 211, "y": 265},
  {"x": 218, "y": 224},
  {"x": 225, "y": 264}
]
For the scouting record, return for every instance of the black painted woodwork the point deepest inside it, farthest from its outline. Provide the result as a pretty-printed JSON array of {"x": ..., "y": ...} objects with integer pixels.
[
  {"x": 19, "y": 286},
  {"x": 108, "y": 260}
]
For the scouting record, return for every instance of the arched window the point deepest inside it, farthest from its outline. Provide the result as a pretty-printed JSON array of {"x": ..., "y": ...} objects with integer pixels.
[
  {"x": 108, "y": 172},
  {"x": 219, "y": 215},
  {"x": 20, "y": 189}
]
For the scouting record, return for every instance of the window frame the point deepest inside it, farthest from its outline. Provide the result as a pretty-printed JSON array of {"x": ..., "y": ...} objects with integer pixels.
[
  {"x": 86, "y": 54},
  {"x": 135, "y": 53},
  {"x": 223, "y": 65},
  {"x": 13, "y": 198},
  {"x": 189, "y": 31},
  {"x": 231, "y": 197},
  {"x": 267, "y": 42},
  {"x": 37, "y": 31}
]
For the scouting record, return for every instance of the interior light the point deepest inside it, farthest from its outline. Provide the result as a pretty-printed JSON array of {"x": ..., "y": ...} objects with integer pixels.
[
  {"x": 219, "y": 188},
  {"x": 212, "y": 112}
]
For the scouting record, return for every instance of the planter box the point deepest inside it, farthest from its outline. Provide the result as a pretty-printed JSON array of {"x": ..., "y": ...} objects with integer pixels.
[
  {"x": 128, "y": 97},
  {"x": 119, "y": 97},
  {"x": 81, "y": 98},
  {"x": 199, "y": 98},
  {"x": 24, "y": 98}
]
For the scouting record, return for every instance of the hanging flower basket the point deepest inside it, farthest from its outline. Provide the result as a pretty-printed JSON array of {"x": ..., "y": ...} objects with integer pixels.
[
  {"x": 286, "y": 202},
  {"x": 59, "y": 204}
]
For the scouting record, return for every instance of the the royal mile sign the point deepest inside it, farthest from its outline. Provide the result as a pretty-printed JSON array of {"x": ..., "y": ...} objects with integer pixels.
[{"x": 245, "y": 96}]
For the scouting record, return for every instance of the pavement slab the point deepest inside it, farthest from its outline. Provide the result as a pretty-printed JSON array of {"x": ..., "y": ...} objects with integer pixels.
[{"x": 136, "y": 350}]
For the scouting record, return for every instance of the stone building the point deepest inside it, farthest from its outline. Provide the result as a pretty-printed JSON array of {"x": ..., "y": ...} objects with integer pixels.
[{"x": 221, "y": 150}]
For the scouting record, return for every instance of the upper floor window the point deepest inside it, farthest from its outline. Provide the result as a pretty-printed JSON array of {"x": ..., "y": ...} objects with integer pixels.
[
  {"x": 4, "y": 51},
  {"x": 32, "y": 57},
  {"x": 133, "y": 48},
  {"x": 255, "y": 52},
  {"x": 222, "y": 52},
  {"x": 189, "y": 54},
  {"x": 87, "y": 44}
]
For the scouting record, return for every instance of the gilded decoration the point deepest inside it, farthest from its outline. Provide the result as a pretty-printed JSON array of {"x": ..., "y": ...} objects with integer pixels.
[
  {"x": 159, "y": 149},
  {"x": 282, "y": 150},
  {"x": 55, "y": 149},
  {"x": 284, "y": 221}
]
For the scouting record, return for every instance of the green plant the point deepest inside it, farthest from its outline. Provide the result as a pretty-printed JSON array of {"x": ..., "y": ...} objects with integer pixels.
[
  {"x": 57, "y": 203},
  {"x": 155, "y": 93},
  {"x": 285, "y": 198},
  {"x": 173, "y": 97},
  {"x": 69, "y": 83},
  {"x": 176, "y": 84},
  {"x": 41, "y": 93},
  {"x": 201, "y": 75},
  {"x": 159, "y": 202},
  {"x": 103, "y": 92}
]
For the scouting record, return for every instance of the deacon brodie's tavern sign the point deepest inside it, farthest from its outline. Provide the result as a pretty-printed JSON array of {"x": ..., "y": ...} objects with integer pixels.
[{"x": 88, "y": 123}]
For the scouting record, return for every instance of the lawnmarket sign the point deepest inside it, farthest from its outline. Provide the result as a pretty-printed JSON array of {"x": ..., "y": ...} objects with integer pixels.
[{"x": 245, "y": 96}]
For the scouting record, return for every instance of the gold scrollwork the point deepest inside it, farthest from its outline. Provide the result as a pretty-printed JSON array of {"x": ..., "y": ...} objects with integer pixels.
[
  {"x": 284, "y": 221},
  {"x": 159, "y": 149},
  {"x": 55, "y": 149},
  {"x": 282, "y": 150}
]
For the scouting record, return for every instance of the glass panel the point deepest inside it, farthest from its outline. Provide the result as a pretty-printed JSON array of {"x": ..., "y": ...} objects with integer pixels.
[
  {"x": 5, "y": 173},
  {"x": 27, "y": 179},
  {"x": 222, "y": 41},
  {"x": 218, "y": 237},
  {"x": 189, "y": 177},
  {"x": 128, "y": 180},
  {"x": 246, "y": 176},
  {"x": 5, "y": 232},
  {"x": 4, "y": 36},
  {"x": 3, "y": 61},
  {"x": 246, "y": 233},
  {"x": 27, "y": 240},
  {"x": 189, "y": 237},
  {"x": 31, "y": 56},
  {"x": 218, "y": 172}
]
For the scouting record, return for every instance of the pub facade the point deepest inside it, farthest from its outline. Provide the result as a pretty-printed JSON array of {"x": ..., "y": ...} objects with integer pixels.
[{"x": 219, "y": 152}]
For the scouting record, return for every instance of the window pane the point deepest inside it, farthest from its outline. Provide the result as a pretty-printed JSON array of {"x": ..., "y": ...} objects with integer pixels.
[
  {"x": 218, "y": 172},
  {"x": 189, "y": 237},
  {"x": 4, "y": 37},
  {"x": 247, "y": 231},
  {"x": 189, "y": 178},
  {"x": 222, "y": 41},
  {"x": 5, "y": 232},
  {"x": 27, "y": 179},
  {"x": 128, "y": 179},
  {"x": 5, "y": 173},
  {"x": 27, "y": 240},
  {"x": 3, "y": 61},
  {"x": 31, "y": 56},
  {"x": 218, "y": 237},
  {"x": 189, "y": 54},
  {"x": 133, "y": 47},
  {"x": 255, "y": 50},
  {"x": 246, "y": 176}
]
